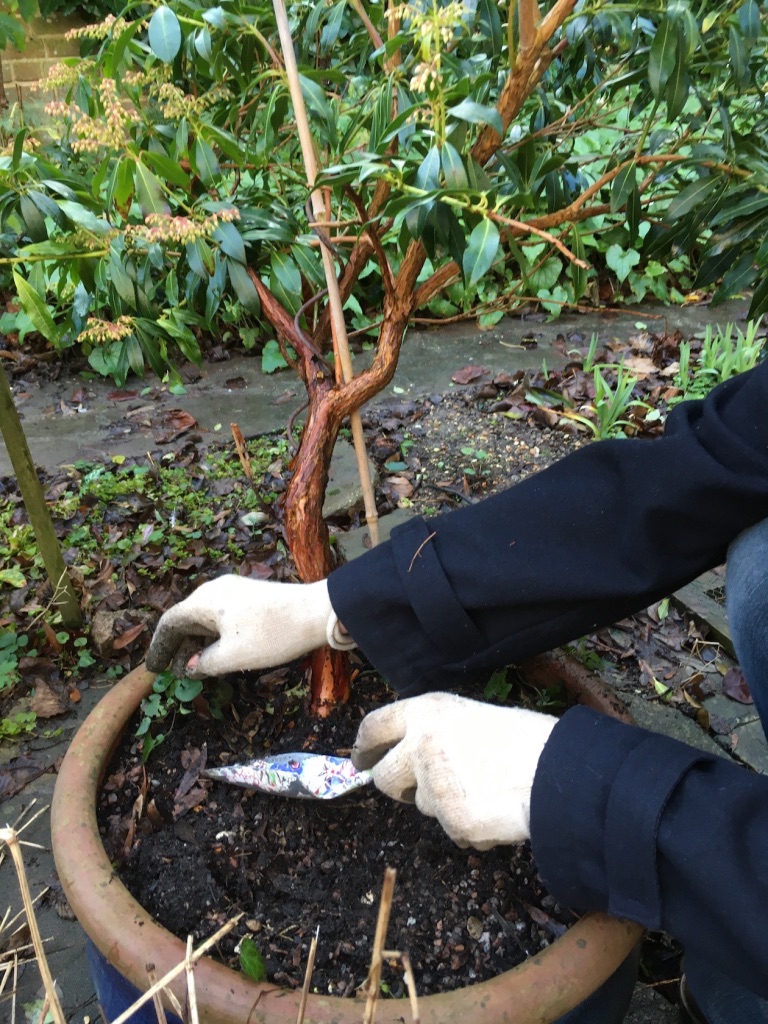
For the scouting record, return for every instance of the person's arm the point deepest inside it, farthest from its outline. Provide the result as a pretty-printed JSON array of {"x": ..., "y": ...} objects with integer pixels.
[
  {"x": 620, "y": 819},
  {"x": 647, "y": 828},
  {"x": 600, "y": 534}
]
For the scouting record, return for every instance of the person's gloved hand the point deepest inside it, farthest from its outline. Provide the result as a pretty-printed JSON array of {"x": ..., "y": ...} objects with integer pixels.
[
  {"x": 468, "y": 764},
  {"x": 257, "y": 624}
]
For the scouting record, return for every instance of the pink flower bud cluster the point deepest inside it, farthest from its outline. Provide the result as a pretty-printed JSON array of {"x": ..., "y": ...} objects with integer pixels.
[
  {"x": 175, "y": 104},
  {"x": 62, "y": 76},
  {"x": 110, "y": 131},
  {"x": 98, "y": 331},
  {"x": 163, "y": 228},
  {"x": 100, "y": 30}
]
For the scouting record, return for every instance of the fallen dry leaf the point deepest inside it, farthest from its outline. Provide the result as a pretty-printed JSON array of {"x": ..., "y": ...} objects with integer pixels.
[
  {"x": 735, "y": 686},
  {"x": 46, "y": 703},
  {"x": 469, "y": 373},
  {"x": 129, "y": 636}
]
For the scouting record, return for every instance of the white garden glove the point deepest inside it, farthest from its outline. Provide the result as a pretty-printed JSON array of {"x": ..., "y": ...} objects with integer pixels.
[
  {"x": 257, "y": 624},
  {"x": 468, "y": 764}
]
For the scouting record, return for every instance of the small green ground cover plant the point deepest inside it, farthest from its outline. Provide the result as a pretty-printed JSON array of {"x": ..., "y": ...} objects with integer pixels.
[{"x": 128, "y": 527}]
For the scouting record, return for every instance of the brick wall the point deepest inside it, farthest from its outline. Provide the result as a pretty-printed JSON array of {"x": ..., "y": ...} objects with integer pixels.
[{"x": 45, "y": 46}]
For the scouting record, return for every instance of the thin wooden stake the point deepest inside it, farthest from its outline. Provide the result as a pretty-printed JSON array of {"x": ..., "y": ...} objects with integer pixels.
[
  {"x": 338, "y": 326},
  {"x": 11, "y": 839},
  {"x": 308, "y": 977},
  {"x": 64, "y": 597},
  {"x": 374, "y": 974}
]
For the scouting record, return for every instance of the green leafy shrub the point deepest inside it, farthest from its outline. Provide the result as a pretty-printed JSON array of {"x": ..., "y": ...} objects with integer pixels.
[{"x": 172, "y": 192}]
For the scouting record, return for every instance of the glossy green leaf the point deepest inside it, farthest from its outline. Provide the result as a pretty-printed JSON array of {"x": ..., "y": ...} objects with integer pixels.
[
  {"x": 428, "y": 174},
  {"x": 18, "y": 147},
  {"x": 204, "y": 161},
  {"x": 83, "y": 217},
  {"x": 36, "y": 309},
  {"x": 624, "y": 183},
  {"x": 203, "y": 43},
  {"x": 149, "y": 191},
  {"x": 120, "y": 187},
  {"x": 759, "y": 305},
  {"x": 690, "y": 197},
  {"x": 167, "y": 168},
  {"x": 454, "y": 173},
  {"x": 482, "y": 246},
  {"x": 661, "y": 61},
  {"x": 164, "y": 34},
  {"x": 490, "y": 25},
  {"x": 285, "y": 281},
  {"x": 477, "y": 113},
  {"x": 231, "y": 241},
  {"x": 215, "y": 16},
  {"x": 33, "y": 219},
  {"x": 749, "y": 21},
  {"x": 737, "y": 53},
  {"x": 678, "y": 87},
  {"x": 200, "y": 258},
  {"x": 244, "y": 287},
  {"x": 739, "y": 277}
]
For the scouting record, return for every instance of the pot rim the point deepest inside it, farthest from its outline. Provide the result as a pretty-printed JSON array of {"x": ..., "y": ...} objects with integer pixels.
[{"x": 541, "y": 989}]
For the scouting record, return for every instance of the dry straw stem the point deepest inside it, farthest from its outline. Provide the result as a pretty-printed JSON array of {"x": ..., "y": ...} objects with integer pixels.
[
  {"x": 374, "y": 974},
  {"x": 343, "y": 361},
  {"x": 191, "y": 991},
  {"x": 10, "y": 837},
  {"x": 174, "y": 972}
]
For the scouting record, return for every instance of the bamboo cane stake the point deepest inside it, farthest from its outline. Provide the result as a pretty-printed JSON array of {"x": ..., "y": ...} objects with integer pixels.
[
  {"x": 64, "y": 597},
  {"x": 338, "y": 326}
]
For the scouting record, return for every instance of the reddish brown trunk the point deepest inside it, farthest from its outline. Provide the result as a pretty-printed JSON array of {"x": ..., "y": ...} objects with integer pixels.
[
  {"x": 330, "y": 673},
  {"x": 329, "y": 403}
]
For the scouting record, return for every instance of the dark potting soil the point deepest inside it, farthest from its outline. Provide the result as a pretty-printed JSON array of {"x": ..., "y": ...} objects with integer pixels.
[{"x": 195, "y": 853}]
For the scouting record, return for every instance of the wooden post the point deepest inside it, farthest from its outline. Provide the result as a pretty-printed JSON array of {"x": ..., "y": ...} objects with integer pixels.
[{"x": 64, "y": 597}]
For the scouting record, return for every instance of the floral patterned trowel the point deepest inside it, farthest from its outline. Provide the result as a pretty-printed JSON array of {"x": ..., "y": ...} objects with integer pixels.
[{"x": 315, "y": 776}]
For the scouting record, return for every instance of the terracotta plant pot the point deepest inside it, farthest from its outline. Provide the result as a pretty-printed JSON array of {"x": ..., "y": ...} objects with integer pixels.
[{"x": 539, "y": 991}]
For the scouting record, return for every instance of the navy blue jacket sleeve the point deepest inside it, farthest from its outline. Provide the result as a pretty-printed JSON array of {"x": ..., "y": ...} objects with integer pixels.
[
  {"x": 597, "y": 536},
  {"x": 644, "y": 827}
]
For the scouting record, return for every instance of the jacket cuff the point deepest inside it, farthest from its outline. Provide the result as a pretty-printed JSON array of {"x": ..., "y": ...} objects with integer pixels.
[
  {"x": 402, "y": 611},
  {"x": 598, "y": 796}
]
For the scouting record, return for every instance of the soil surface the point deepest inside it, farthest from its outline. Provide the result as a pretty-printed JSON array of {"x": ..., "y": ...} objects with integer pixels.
[{"x": 195, "y": 853}]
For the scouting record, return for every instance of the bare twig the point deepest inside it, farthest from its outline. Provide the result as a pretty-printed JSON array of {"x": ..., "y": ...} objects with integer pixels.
[{"x": 242, "y": 452}]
